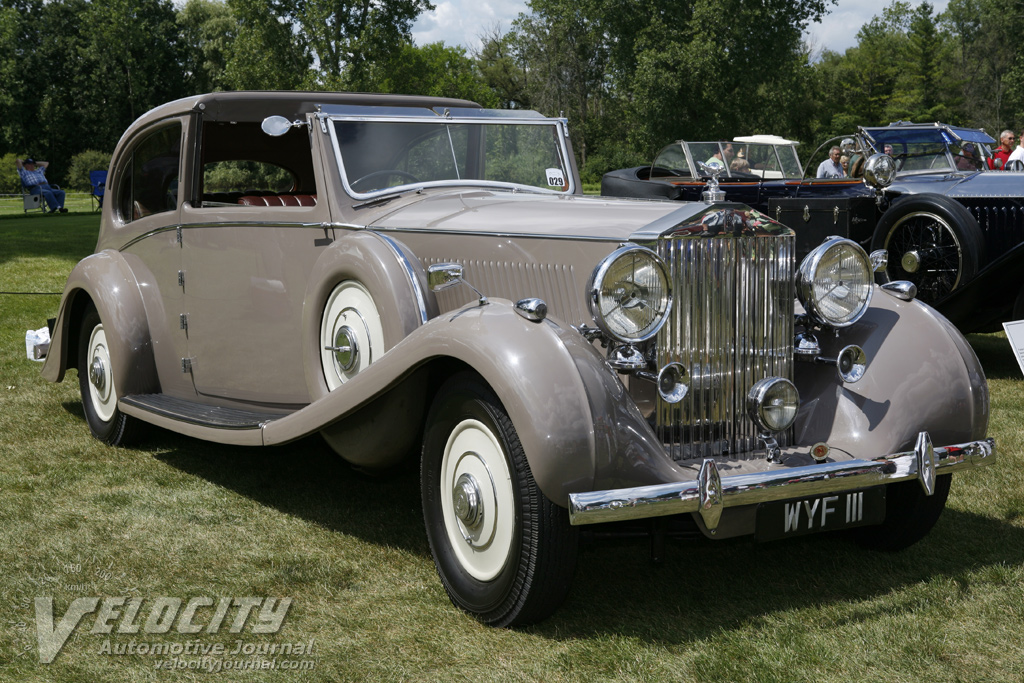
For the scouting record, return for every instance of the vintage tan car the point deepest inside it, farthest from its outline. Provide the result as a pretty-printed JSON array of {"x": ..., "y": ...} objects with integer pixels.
[{"x": 397, "y": 273}]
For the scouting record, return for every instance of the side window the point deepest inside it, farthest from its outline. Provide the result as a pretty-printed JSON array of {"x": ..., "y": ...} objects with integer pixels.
[
  {"x": 149, "y": 181},
  {"x": 247, "y": 177}
]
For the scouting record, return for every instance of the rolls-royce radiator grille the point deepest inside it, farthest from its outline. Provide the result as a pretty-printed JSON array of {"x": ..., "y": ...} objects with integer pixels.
[{"x": 731, "y": 325}]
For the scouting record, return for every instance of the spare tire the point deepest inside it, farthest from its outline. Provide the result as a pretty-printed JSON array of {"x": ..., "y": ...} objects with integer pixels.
[{"x": 933, "y": 241}]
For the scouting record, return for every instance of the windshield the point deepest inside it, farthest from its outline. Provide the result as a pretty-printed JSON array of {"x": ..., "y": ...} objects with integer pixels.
[
  {"x": 378, "y": 155},
  {"x": 925, "y": 150}
]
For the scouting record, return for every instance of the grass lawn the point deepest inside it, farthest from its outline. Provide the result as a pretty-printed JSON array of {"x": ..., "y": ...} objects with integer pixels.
[{"x": 183, "y": 518}]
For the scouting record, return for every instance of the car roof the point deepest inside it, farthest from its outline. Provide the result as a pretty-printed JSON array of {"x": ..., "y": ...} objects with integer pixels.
[
  {"x": 258, "y": 104},
  {"x": 765, "y": 140},
  {"x": 908, "y": 131}
]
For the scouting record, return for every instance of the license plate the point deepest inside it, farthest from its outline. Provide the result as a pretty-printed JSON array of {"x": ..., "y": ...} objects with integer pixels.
[{"x": 827, "y": 512}]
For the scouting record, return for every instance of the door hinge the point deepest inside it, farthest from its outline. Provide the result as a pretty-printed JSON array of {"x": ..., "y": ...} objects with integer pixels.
[
  {"x": 835, "y": 214},
  {"x": 186, "y": 365},
  {"x": 181, "y": 278},
  {"x": 184, "y": 321},
  {"x": 178, "y": 233}
]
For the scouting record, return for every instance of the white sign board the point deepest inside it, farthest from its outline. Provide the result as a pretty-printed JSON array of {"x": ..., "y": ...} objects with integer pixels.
[{"x": 1015, "y": 335}]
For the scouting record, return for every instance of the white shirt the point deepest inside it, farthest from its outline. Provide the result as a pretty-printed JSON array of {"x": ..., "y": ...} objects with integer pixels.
[
  {"x": 830, "y": 169},
  {"x": 1017, "y": 155}
]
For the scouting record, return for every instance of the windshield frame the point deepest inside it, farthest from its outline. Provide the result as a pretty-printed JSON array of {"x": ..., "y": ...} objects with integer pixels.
[
  {"x": 877, "y": 137},
  {"x": 489, "y": 118}
]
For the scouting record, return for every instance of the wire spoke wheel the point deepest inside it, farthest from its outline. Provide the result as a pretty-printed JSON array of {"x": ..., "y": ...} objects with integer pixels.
[
  {"x": 924, "y": 249},
  {"x": 933, "y": 242}
]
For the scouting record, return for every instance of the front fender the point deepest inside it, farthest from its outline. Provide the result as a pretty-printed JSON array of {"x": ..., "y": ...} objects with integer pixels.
[
  {"x": 107, "y": 280},
  {"x": 921, "y": 376},
  {"x": 554, "y": 386}
]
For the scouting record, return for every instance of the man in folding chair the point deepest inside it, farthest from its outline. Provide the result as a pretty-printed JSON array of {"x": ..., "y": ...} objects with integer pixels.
[{"x": 33, "y": 177}]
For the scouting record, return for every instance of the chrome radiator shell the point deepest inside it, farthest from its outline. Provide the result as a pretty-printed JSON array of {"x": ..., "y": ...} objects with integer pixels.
[{"x": 731, "y": 324}]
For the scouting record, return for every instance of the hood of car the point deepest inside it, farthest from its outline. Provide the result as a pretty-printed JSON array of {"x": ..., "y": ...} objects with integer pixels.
[
  {"x": 508, "y": 213},
  {"x": 982, "y": 184}
]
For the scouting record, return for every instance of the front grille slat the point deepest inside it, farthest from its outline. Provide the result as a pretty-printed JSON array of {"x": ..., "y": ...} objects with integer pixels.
[{"x": 732, "y": 325}]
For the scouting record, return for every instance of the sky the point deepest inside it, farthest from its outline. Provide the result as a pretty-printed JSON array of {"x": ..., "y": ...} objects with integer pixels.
[{"x": 463, "y": 22}]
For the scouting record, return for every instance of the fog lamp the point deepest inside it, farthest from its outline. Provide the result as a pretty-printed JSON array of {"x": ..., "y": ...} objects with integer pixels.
[{"x": 772, "y": 404}]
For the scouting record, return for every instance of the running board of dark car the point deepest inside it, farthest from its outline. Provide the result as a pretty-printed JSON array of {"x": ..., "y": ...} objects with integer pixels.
[{"x": 192, "y": 412}]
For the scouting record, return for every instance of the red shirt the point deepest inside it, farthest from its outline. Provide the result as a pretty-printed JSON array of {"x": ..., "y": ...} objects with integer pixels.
[{"x": 1000, "y": 154}]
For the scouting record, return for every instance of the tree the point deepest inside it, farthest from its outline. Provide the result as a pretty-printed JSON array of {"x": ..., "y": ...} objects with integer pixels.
[
  {"x": 266, "y": 54},
  {"x": 436, "y": 70},
  {"x": 208, "y": 31},
  {"x": 503, "y": 68}
]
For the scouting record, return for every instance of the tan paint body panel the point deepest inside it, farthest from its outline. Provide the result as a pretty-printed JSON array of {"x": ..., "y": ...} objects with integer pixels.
[{"x": 256, "y": 280}]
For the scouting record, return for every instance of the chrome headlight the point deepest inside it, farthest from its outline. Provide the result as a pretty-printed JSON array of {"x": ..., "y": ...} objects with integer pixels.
[
  {"x": 629, "y": 294},
  {"x": 772, "y": 404},
  {"x": 834, "y": 282},
  {"x": 880, "y": 170}
]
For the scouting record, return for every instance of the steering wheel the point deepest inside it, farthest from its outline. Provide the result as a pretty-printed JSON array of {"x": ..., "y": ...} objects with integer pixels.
[
  {"x": 1014, "y": 165},
  {"x": 384, "y": 173}
]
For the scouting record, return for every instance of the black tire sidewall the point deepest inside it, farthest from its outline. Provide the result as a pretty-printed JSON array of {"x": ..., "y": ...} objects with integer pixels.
[
  {"x": 909, "y": 515},
  {"x": 960, "y": 220}
]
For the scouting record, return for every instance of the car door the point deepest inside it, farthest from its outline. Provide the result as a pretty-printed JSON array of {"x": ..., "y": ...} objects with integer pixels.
[{"x": 251, "y": 232}]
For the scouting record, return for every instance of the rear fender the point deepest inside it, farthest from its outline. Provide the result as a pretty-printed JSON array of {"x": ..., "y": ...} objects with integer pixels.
[{"x": 105, "y": 279}]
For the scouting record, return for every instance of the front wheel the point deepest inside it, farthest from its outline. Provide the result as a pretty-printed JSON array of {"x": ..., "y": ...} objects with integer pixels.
[
  {"x": 933, "y": 241},
  {"x": 96, "y": 383},
  {"x": 504, "y": 552},
  {"x": 909, "y": 515}
]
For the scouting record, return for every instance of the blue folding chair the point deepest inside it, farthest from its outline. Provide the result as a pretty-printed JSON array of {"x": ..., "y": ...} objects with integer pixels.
[{"x": 98, "y": 180}]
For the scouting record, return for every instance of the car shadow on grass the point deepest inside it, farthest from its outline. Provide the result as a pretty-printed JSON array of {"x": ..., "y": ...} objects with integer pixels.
[
  {"x": 705, "y": 587},
  {"x": 305, "y": 479},
  {"x": 701, "y": 587}
]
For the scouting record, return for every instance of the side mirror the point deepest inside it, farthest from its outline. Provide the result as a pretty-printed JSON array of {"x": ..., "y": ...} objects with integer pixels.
[
  {"x": 277, "y": 126},
  {"x": 443, "y": 275}
]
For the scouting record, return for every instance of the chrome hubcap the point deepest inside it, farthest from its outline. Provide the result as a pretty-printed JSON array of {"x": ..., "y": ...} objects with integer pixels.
[
  {"x": 911, "y": 261},
  {"x": 346, "y": 350},
  {"x": 98, "y": 374},
  {"x": 466, "y": 501}
]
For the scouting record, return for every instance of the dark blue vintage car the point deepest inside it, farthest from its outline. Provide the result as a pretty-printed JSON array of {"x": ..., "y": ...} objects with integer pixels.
[{"x": 923, "y": 192}]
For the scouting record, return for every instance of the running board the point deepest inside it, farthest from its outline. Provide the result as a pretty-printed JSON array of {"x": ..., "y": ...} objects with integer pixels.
[{"x": 157, "y": 408}]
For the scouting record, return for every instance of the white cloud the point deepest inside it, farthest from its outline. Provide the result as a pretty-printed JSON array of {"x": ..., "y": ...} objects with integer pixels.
[
  {"x": 838, "y": 30},
  {"x": 462, "y": 22}
]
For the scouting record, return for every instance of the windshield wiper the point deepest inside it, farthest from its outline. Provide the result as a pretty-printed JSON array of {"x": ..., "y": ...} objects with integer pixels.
[{"x": 383, "y": 199}]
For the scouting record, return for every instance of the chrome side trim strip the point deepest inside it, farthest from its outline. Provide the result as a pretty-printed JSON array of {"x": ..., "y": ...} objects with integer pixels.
[
  {"x": 421, "y": 300},
  {"x": 238, "y": 224},
  {"x": 509, "y": 235},
  {"x": 615, "y": 505},
  {"x": 375, "y": 228}
]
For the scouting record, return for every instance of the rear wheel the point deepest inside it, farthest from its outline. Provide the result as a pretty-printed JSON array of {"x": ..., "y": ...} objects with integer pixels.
[
  {"x": 504, "y": 552},
  {"x": 909, "y": 515},
  {"x": 96, "y": 383}
]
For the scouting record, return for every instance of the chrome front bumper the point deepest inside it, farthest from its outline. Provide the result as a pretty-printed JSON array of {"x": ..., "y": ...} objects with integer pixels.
[{"x": 711, "y": 493}]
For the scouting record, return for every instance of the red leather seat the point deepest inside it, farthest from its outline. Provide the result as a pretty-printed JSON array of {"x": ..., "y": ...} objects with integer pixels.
[{"x": 279, "y": 200}]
